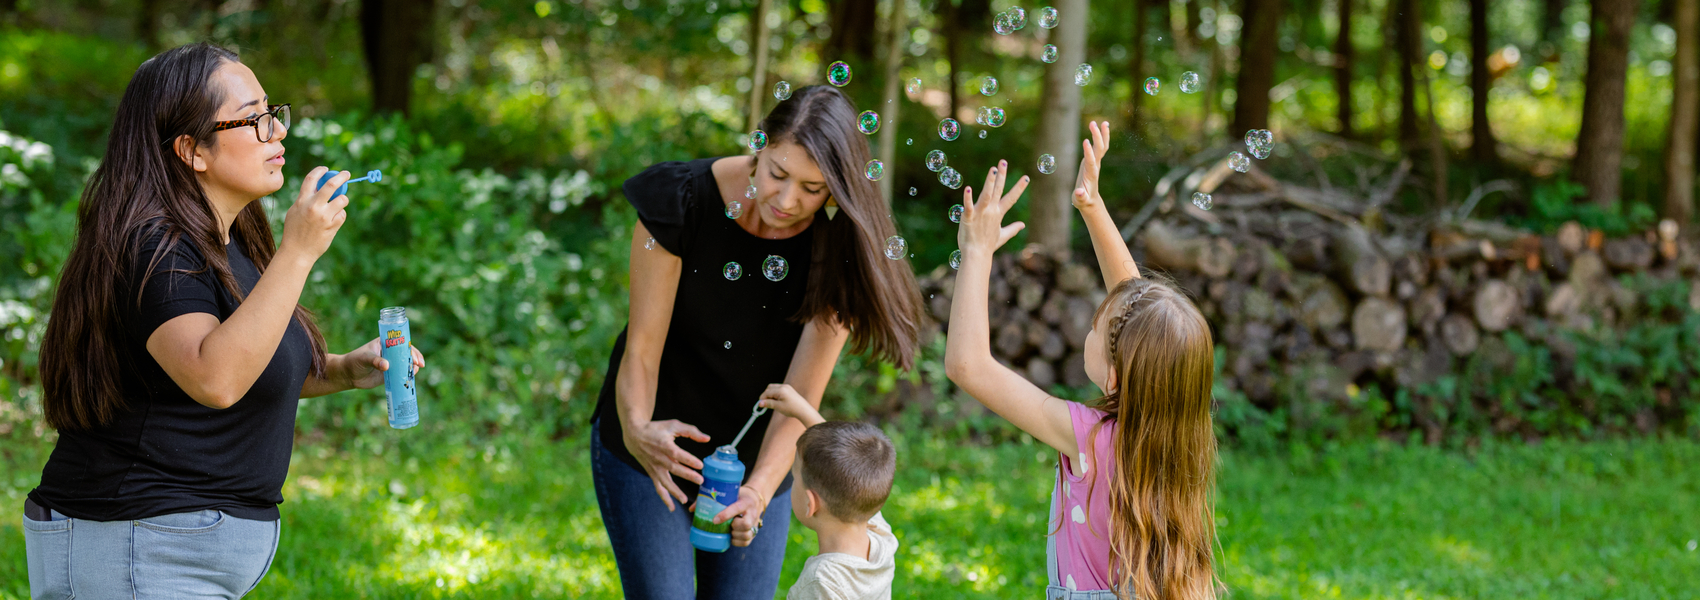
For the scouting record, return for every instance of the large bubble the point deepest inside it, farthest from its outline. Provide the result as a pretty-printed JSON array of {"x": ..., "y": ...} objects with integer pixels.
[
  {"x": 914, "y": 86},
  {"x": 1048, "y": 17},
  {"x": 949, "y": 129},
  {"x": 1049, "y": 54},
  {"x": 1189, "y": 83},
  {"x": 1201, "y": 200},
  {"x": 1017, "y": 17},
  {"x": 950, "y": 178},
  {"x": 838, "y": 73},
  {"x": 868, "y": 122},
  {"x": 734, "y": 209},
  {"x": 1152, "y": 85},
  {"x": 936, "y": 160},
  {"x": 1238, "y": 161},
  {"x": 1002, "y": 24},
  {"x": 1083, "y": 74},
  {"x": 988, "y": 86},
  {"x": 875, "y": 170},
  {"x": 775, "y": 268},
  {"x": 895, "y": 247},
  {"x": 758, "y": 140},
  {"x": 955, "y": 259},
  {"x": 956, "y": 213},
  {"x": 994, "y": 116},
  {"x": 782, "y": 91},
  {"x": 732, "y": 271},
  {"x": 1047, "y": 164}
]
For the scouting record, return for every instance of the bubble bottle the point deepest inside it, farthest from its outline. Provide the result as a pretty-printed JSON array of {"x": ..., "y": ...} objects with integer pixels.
[
  {"x": 722, "y": 473},
  {"x": 396, "y": 346}
]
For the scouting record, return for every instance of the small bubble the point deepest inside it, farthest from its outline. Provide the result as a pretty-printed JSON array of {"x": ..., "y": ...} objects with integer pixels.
[
  {"x": 838, "y": 73},
  {"x": 994, "y": 116},
  {"x": 750, "y": 192},
  {"x": 895, "y": 246},
  {"x": 955, "y": 259},
  {"x": 782, "y": 91},
  {"x": 649, "y": 245},
  {"x": 980, "y": 115},
  {"x": 868, "y": 122},
  {"x": 912, "y": 191},
  {"x": 949, "y": 129},
  {"x": 1238, "y": 161},
  {"x": 982, "y": 134},
  {"x": 1201, "y": 200},
  {"x": 936, "y": 160},
  {"x": 988, "y": 86},
  {"x": 1266, "y": 136},
  {"x": 1049, "y": 54},
  {"x": 1083, "y": 74},
  {"x": 1152, "y": 85},
  {"x": 1048, "y": 17},
  {"x": 1692, "y": 544},
  {"x": 950, "y": 178},
  {"x": 911, "y": 142},
  {"x": 1261, "y": 151},
  {"x": 1002, "y": 24},
  {"x": 1189, "y": 82},
  {"x": 758, "y": 140},
  {"x": 1047, "y": 164},
  {"x": 914, "y": 85},
  {"x": 775, "y": 268},
  {"x": 1017, "y": 17},
  {"x": 732, "y": 271},
  {"x": 728, "y": 345},
  {"x": 734, "y": 209},
  {"x": 875, "y": 170},
  {"x": 956, "y": 213}
]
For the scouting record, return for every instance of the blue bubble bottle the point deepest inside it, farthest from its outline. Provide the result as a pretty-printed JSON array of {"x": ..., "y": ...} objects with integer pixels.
[
  {"x": 722, "y": 473},
  {"x": 395, "y": 342}
]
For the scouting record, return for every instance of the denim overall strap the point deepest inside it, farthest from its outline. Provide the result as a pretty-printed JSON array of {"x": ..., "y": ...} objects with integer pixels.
[{"x": 1054, "y": 590}]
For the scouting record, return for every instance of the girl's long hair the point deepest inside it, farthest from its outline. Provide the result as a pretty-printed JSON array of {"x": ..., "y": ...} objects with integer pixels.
[
  {"x": 142, "y": 190},
  {"x": 1162, "y": 519},
  {"x": 850, "y": 279}
]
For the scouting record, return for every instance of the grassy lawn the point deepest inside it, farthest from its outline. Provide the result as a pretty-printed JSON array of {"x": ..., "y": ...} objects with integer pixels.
[{"x": 519, "y": 519}]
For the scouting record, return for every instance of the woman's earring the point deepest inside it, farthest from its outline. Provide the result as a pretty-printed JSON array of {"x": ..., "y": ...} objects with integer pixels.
[{"x": 831, "y": 207}]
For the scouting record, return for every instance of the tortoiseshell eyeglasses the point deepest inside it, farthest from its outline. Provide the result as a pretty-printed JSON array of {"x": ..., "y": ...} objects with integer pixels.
[{"x": 265, "y": 124}]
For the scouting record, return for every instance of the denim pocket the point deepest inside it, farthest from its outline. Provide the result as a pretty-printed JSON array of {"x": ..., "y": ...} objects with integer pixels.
[
  {"x": 47, "y": 546},
  {"x": 203, "y": 553},
  {"x": 189, "y": 523}
]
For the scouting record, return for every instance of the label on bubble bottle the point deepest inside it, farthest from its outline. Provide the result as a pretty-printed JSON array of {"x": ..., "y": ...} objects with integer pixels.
[{"x": 713, "y": 497}]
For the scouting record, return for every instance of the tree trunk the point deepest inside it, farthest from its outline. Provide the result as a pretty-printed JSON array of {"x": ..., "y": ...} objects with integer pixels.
[
  {"x": 1049, "y": 217},
  {"x": 147, "y": 23},
  {"x": 1136, "y": 67},
  {"x": 758, "y": 65},
  {"x": 896, "y": 31},
  {"x": 1405, "y": 24},
  {"x": 1258, "y": 47},
  {"x": 1344, "y": 56},
  {"x": 853, "y": 33},
  {"x": 1552, "y": 28},
  {"x": 952, "y": 49},
  {"x": 397, "y": 36},
  {"x": 1482, "y": 146},
  {"x": 1599, "y": 144},
  {"x": 1684, "y": 113}
]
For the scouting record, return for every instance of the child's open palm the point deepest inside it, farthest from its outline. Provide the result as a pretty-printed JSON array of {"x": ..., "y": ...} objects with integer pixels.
[
  {"x": 1091, "y": 160},
  {"x": 983, "y": 231}
]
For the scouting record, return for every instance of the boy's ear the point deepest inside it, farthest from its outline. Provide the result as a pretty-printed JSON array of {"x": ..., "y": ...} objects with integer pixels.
[{"x": 814, "y": 504}]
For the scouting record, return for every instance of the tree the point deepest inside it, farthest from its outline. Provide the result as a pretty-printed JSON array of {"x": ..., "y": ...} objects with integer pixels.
[
  {"x": 852, "y": 40},
  {"x": 1405, "y": 22},
  {"x": 1684, "y": 113},
  {"x": 1059, "y": 127},
  {"x": 1137, "y": 65},
  {"x": 1599, "y": 143},
  {"x": 147, "y": 24},
  {"x": 1344, "y": 57},
  {"x": 1257, "y": 65},
  {"x": 1552, "y": 27},
  {"x": 1483, "y": 149},
  {"x": 758, "y": 68},
  {"x": 959, "y": 18},
  {"x": 397, "y": 36},
  {"x": 897, "y": 30}
]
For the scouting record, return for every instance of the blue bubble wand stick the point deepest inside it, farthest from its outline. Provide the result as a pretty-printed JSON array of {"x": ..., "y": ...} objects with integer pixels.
[{"x": 373, "y": 176}]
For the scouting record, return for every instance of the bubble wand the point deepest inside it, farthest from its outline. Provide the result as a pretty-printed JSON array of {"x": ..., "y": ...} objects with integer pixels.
[
  {"x": 373, "y": 176},
  {"x": 756, "y": 412}
]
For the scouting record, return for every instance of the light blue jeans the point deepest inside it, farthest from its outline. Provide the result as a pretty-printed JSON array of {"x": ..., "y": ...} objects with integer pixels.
[{"x": 203, "y": 554}]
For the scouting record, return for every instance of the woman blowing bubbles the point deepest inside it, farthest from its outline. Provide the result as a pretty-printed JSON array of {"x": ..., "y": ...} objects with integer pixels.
[{"x": 177, "y": 353}]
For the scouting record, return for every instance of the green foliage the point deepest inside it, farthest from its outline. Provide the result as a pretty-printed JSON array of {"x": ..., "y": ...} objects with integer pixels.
[{"x": 1561, "y": 200}]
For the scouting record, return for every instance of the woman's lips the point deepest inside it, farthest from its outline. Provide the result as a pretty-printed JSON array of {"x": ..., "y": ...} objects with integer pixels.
[
  {"x": 276, "y": 160},
  {"x": 779, "y": 213}
]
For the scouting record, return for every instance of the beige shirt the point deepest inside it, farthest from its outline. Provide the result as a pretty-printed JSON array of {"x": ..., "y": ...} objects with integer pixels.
[{"x": 836, "y": 576}]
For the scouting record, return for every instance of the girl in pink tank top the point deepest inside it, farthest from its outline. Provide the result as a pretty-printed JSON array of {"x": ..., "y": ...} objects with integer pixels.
[{"x": 1131, "y": 515}]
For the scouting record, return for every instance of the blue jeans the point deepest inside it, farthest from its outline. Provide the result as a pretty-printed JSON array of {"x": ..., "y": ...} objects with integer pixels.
[
  {"x": 203, "y": 554},
  {"x": 653, "y": 547}
]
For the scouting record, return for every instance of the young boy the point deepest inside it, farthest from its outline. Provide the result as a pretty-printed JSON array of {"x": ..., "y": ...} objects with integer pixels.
[{"x": 841, "y": 478}]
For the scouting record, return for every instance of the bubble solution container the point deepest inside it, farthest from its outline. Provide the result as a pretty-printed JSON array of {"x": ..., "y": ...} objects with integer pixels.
[
  {"x": 396, "y": 346},
  {"x": 722, "y": 473}
]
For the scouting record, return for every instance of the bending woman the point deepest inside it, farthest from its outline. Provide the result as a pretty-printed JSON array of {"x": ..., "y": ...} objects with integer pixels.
[
  {"x": 176, "y": 353},
  {"x": 731, "y": 292}
]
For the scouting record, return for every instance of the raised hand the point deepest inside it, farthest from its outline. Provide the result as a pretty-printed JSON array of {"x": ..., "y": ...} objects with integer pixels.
[
  {"x": 785, "y": 400},
  {"x": 314, "y": 219},
  {"x": 982, "y": 231},
  {"x": 1091, "y": 160}
]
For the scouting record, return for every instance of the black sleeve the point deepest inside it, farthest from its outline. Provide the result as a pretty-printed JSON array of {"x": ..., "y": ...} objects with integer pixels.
[
  {"x": 664, "y": 196},
  {"x": 178, "y": 284}
]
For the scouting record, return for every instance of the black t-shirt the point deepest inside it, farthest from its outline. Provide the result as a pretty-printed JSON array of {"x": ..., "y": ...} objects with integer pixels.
[
  {"x": 167, "y": 453},
  {"x": 702, "y": 381}
]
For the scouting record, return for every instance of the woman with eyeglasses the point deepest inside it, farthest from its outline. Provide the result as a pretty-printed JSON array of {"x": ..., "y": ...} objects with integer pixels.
[{"x": 176, "y": 352}]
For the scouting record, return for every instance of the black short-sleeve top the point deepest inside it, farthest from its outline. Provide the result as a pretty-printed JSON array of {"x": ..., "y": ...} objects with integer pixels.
[
  {"x": 729, "y": 337},
  {"x": 166, "y": 453}
]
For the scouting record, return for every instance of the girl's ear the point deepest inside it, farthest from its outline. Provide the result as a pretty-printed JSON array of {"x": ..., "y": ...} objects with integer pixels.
[{"x": 1112, "y": 379}]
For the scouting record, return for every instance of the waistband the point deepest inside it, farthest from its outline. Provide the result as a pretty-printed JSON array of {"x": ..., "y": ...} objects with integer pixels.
[{"x": 1057, "y": 592}]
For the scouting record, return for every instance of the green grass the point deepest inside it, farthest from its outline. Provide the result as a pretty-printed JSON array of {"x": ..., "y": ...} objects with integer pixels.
[{"x": 518, "y": 518}]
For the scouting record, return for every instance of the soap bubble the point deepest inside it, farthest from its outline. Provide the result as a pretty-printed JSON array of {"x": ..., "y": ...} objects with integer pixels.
[
  {"x": 649, "y": 245},
  {"x": 1201, "y": 200},
  {"x": 982, "y": 134},
  {"x": 868, "y": 122},
  {"x": 994, "y": 116},
  {"x": 750, "y": 192},
  {"x": 914, "y": 86},
  {"x": 1048, "y": 17},
  {"x": 838, "y": 73},
  {"x": 980, "y": 115},
  {"x": 1259, "y": 137},
  {"x": 758, "y": 140},
  {"x": 775, "y": 268},
  {"x": 733, "y": 271},
  {"x": 956, "y": 213},
  {"x": 1017, "y": 17},
  {"x": 734, "y": 209},
  {"x": 949, "y": 129},
  {"x": 875, "y": 170},
  {"x": 895, "y": 247},
  {"x": 988, "y": 86},
  {"x": 1152, "y": 85},
  {"x": 1049, "y": 55},
  {"x": 1083, "y": 74},
  {"x": 936, "y": 160},
  {"x": 1189, "y": 82},
  {"x": 1002, "y": 24},
  {"x": 1238, "y": 162},
  {"x": 911, "y": 142},
  {"x": 782, "y": 91},
  {"x": 950, "y": 178},
  {"x": 1261, "y": 151},
  {"x": 728, "y": 345},
  {"x": 1047, "y": 164},
  {"x": 912, "y": 191},
  {"x": 955, "y": 259}
]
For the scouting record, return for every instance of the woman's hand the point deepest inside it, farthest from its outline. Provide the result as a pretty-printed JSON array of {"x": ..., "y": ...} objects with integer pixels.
[
  {"x": 651, "y": 443},
  {"x": 364, "y": 367},
  {"x": 982, "y": 230},
  {"x": 745, "y": 514},
  {"x": 785, "y": 400},
  {"x": 314, "y": 219},
  {"x": 1086, "y": 194}
]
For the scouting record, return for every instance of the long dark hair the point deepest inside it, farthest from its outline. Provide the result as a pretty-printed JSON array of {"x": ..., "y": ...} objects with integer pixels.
[
  {"x": 142, "y": 190},
  {"x": 850, "y": 279}
]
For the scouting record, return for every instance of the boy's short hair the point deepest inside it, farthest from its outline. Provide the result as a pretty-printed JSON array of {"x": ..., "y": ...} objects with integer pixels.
[{"x": 849, "y": 465}]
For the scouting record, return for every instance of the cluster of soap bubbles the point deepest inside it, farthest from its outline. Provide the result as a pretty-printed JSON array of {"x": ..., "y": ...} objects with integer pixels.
[
  {"x": 868, "y": 122},
  {"x": 758, "y": 140},
  {"x": 782, "y": 91},
  {"x": 895, "y": 247},
  {"x": 875, "y": 170},
  {"x": 1260, "y": 142},
  {"x": 1237, "y": 161},
  {"x": 1201, "y": 200},
  {"x": 990, "y": 116},
  {"x": 838, "y": 73},
  {"x": 1047, "y": 164},
  {"x": 949, "y": 129},
  {"x": 1009, "y": 21}
]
